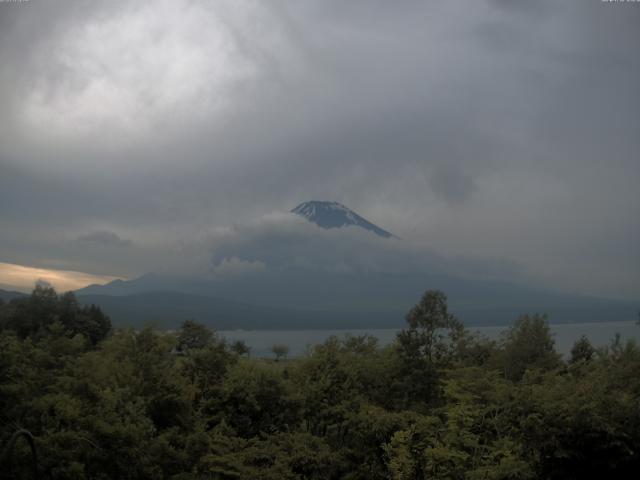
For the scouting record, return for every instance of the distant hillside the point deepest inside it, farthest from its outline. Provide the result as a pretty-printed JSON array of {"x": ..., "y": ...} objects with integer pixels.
[
  {"x": 8, "y": 295},
  {"x": 169, "y": 309},
  {"x": 303, "y": 303}
]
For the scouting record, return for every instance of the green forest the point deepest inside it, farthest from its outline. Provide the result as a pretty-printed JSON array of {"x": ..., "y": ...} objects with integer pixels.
[{"x": 80, "y": 399}]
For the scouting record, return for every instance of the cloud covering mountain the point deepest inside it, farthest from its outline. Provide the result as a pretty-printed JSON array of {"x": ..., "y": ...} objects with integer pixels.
[{"x": 283, "y": 240}]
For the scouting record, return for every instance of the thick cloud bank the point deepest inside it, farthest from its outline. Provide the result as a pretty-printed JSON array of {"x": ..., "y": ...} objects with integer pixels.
[
  {"x": 481, "y": 129},
  {"x": 283, "y": 241}
]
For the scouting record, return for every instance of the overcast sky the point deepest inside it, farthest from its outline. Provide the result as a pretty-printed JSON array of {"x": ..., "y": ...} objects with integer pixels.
[{"x": 502, "y": 131}]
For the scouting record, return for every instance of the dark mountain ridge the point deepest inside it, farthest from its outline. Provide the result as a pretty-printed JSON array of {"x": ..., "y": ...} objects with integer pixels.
[
  {"x": 304, "y": 300},
  {"x": 8, "y": 295}
]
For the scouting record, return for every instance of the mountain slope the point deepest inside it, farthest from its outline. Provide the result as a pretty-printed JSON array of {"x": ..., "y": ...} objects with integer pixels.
[
  {"x": 335, "y": 215},
  {"x": 305, "y": 300}
]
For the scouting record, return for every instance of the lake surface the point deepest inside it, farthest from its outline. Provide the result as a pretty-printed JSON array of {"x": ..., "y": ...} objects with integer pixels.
[{"x": 298, "y": 341}]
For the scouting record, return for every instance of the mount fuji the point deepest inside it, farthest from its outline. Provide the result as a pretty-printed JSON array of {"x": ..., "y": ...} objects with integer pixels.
[
  {"x": 299, "y": 295},
  {"x": 336, "y": 215}
]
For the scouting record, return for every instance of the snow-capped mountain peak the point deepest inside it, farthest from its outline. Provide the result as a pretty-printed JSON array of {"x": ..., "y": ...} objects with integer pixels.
[{"x": 335, "y": 215}]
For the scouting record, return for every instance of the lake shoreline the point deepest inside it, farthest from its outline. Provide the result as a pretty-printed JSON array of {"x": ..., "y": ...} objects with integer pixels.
[{"x": 565, "y": 334}]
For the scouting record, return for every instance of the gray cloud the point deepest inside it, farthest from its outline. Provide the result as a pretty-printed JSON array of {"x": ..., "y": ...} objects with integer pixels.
[
  {"x": 281, "y": 241},
  {"x": 105, "y": 237},
  {"x": 452, "y": 184},
  {"x": 481, "y": 129}
]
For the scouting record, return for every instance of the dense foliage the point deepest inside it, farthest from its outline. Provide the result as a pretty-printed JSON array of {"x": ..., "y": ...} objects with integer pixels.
[{"x": 439, "y": 403}]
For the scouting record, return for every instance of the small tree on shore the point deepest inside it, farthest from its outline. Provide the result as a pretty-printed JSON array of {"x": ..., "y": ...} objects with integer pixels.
[
  {"x": 280, "y": 351},
  {"x": 193, "y": 336},
  {"x": 241, "y": 348}
]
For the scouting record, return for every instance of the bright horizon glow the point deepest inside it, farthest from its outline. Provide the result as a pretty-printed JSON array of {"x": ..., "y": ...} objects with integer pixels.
[{"x": 22, "y": 278}]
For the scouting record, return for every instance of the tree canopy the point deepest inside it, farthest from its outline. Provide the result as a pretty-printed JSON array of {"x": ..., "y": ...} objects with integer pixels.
[{"x": 437, "y": 403}]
